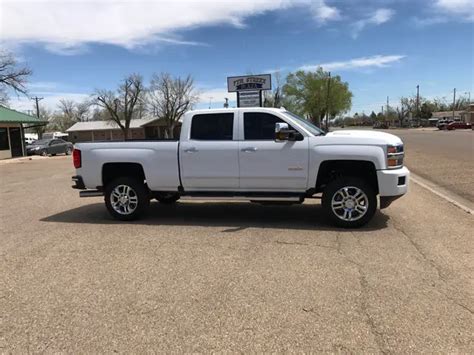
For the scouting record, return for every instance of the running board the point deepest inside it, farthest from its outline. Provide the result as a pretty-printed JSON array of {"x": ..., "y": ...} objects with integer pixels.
[
  {"x": 242, "y": 198},
  {"x": 90, "y": 193}
]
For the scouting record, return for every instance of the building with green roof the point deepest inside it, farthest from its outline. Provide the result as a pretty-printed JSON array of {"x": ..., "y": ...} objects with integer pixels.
[{"x": 12, "y": 126}]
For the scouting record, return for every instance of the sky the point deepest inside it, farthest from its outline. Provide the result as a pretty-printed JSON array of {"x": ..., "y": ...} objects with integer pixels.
[{"x": 380, "y": 47}]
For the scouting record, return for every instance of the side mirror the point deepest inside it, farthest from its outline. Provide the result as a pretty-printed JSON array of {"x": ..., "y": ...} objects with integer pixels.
[{"x": 284, "y": 133}]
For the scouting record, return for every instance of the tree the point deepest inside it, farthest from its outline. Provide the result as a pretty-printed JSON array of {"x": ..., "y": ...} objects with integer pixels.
[
  {"x": 170, "y": 98},
  {"x": 373, "y": 117},
  {"x": 44, "y": 115},
  {"x": 69, "y": 112},
  {"x": 121, "y": 105},
  {"x": 309, "y": 90},
  {"x": 274, "y": 98},
  {"x": 12, "y": 76}
]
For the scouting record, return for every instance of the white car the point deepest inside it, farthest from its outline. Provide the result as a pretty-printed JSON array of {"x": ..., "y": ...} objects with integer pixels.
[{"x": 257, "y": 154}]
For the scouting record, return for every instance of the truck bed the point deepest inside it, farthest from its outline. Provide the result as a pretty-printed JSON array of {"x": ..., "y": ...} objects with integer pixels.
[{"x": 159, "y": 159}]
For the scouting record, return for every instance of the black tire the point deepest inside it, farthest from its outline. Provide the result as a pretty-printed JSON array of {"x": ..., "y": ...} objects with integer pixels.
[
  {"x": 333, "y": 189},
  {"x": 68, "y": 151},
  {"x": 167, "y": 198},
  {"x": 139, "y": 190},
  {"x": 44, "y": 153}
]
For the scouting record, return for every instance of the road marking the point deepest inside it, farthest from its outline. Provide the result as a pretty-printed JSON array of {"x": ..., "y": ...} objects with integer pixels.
[{"x": 460, "y": 202}]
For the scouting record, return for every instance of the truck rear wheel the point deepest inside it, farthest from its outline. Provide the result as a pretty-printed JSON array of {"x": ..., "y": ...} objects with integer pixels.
[
  {"x": 349, "y": 202},
  {"x": 126, "y": 198}
]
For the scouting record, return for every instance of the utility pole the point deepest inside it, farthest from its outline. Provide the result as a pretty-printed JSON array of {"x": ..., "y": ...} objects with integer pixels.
[
  {"x": 417, "y": 101},
  {"x": 454, "y": 101},
  {"x": 327, "y": 102},
  {"x": 210, "y": 101},
  {"x": 37, "y": 99}
]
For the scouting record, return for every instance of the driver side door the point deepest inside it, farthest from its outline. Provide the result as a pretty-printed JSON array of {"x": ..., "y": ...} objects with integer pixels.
[{"x": 267, "y": 164}]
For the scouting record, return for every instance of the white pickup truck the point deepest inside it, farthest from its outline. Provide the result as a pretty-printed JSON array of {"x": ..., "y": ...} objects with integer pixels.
[{"x": 258, "y": 154}]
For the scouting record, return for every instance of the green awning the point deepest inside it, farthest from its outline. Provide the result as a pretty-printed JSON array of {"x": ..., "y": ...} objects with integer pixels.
[{"x": 11, "y": 116}]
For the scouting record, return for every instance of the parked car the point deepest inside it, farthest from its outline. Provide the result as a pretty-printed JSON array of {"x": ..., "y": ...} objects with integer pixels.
[
  {"x": 46, "y": 147},
  {"x": 458, "y": 125},
  {"x": 263, "y": 155},
  {"x": 441, "y": 124}
]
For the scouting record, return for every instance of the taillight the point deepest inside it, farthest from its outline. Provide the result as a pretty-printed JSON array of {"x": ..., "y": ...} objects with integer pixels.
[{"x": 76, "y": 158}]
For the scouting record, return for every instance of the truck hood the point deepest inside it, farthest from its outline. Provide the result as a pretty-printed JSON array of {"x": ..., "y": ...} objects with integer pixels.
[{"x": 365, "y": 136}]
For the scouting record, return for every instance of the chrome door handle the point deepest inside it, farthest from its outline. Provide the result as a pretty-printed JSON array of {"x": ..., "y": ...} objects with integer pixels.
[
  {"x": 249, "y": 149},
  {"x": 191, "y": 150}
]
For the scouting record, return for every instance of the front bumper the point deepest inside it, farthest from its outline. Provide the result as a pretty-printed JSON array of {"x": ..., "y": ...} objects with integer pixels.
[{"x": 393, "y": 182}]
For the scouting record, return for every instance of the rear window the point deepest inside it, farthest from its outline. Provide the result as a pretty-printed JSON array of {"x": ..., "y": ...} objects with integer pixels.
[{"x": 212, "y": 127}]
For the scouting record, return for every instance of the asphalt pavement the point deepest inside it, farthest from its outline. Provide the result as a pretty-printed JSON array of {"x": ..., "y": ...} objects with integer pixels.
[
  {"x": 444, "y": 157},
  {"x": 218, "y": 276}
]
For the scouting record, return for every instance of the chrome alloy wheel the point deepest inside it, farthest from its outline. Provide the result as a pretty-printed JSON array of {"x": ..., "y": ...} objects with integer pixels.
[
  {"x": 124, "y": 199},
  {"x": 349, "y": 203}
]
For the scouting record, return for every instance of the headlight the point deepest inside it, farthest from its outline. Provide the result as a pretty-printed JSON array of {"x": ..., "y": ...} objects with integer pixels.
[{"x": 395, "y": 155}]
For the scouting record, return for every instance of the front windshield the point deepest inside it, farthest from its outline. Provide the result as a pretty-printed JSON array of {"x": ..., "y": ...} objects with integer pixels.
[
  {"x": 41, "y": 142},
  {"x": 306, "y": 124}
]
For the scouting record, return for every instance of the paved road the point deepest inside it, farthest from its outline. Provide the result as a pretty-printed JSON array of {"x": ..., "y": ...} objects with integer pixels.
[
  {"x": 444, "y": 157},
  {"x": 227, "y": 276}
]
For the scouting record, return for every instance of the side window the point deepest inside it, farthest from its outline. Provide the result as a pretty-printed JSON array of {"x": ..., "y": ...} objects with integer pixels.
[
  {"x": 260, "y": 126},
  {"x": 212, "y": 127}
]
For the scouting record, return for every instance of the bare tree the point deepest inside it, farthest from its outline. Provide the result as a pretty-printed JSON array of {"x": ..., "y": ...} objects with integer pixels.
[
  {"x": 122, "y": 105},
  {"x": 11, "y": 76},
  {"x": 274, "y": 98},
  {"x": 170, "y": 98},
  {"x": 68, "y": 113}
]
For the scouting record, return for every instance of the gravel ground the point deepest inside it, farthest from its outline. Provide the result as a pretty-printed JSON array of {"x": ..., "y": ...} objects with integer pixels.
[{"x": 222, "y": 276}]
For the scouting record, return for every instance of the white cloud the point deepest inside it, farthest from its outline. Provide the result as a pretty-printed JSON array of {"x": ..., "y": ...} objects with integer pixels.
[
  {"x": 461, "y": 7},
  {"x": 378, "y": 17},
  {"x": 376, "y": 61},
  {"x": 66, "y": 27},
  {"x": 215, "y": 95},
  {"x": 50, "y": 100},
  {"x": 322, "y": 12}
]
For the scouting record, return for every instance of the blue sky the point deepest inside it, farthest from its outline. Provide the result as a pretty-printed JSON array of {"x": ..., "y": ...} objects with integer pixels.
[{"x": 382, "y": 48}]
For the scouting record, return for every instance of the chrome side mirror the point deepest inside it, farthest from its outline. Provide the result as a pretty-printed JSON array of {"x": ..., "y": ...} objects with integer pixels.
[{"x": 281, "y": 131}]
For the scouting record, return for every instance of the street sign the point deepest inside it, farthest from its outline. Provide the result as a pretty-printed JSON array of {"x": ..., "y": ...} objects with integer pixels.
[
  {"x": 249, "y": 99},
  {"x": 249, "y": 83}
]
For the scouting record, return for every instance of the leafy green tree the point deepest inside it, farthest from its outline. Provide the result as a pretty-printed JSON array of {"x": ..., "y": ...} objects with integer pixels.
[{"x": 309, "y": 91}]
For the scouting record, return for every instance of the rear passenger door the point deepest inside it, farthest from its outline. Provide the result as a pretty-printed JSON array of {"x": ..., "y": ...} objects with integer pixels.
[{"x": 209, "y": 158}]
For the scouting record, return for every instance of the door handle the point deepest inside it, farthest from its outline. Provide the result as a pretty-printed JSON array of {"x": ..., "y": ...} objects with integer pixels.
[
  {"x": 249, "y": 149},
  {"x": 191, "y": 150}
]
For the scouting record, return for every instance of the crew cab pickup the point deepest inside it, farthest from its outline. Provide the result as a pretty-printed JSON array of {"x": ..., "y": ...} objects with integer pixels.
[{"x": 261, "y": 155}]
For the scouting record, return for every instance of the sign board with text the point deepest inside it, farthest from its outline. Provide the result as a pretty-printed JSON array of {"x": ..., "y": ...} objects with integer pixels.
[
  {"x": 249, "y": 99},
  {"x": 249, "y": 83}
]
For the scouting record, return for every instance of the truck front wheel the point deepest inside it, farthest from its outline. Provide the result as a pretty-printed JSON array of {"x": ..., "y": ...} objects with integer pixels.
[
  {"x": 126, "y": 198},
  {"x": 349, "y": 202}
]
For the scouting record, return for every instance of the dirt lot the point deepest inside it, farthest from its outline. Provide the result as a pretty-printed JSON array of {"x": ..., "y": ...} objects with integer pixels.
[{"x": 227, "y": 276}]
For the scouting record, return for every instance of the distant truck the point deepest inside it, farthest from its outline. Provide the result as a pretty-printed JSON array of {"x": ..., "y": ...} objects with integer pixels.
[{"x": 263, "y": 155}]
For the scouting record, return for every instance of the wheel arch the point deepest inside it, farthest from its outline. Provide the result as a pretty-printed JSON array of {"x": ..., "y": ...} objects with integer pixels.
[
  {"x": 112, "y": 171},
  {"x": 331, "y": 169}
]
